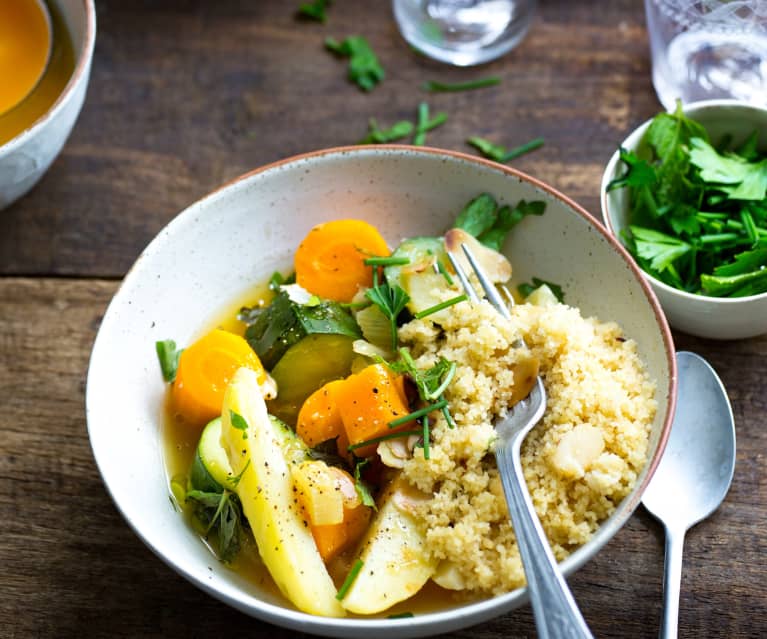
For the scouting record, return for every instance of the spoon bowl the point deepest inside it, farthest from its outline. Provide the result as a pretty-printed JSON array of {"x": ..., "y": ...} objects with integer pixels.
[{"x": 695, "y": 471}]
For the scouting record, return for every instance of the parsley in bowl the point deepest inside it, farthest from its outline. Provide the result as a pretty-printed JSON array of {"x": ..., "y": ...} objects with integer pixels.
[{"x": 687, "y": 195}]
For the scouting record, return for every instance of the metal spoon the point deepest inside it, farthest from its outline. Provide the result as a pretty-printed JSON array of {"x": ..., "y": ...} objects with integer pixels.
[{"x": 695, "y": 472}]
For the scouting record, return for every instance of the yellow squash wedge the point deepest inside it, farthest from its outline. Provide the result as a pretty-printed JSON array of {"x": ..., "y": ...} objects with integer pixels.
[
  {"x": 395, "y": 560},
  {"x": 265, "y": 488}
]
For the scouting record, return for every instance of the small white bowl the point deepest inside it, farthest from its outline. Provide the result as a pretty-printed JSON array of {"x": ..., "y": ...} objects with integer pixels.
[
  {"x": 701, "y": 315},
  {"x": 211, "y": 255},
  {"x": 25, "y": 158}
]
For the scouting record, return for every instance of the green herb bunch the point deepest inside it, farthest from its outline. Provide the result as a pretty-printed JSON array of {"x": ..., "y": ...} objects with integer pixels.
[{"x": 697, "y": 212}]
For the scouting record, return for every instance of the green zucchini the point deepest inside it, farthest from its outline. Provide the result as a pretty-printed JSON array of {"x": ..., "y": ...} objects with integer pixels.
[
  {"x": 284, "y": 323},
  {"x": 210, "y": 469},
  {"x": 420, "y": 277}
]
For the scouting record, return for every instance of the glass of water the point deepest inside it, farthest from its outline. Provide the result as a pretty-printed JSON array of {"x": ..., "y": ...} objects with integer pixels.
[
  {"x": 464, "y": 32},
  {"x": 705, "y": 49}
]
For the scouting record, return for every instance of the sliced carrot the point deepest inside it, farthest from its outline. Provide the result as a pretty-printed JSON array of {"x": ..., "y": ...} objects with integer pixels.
[
  {"x": 319, "y": 419},
  {"x": 204, "y": 371},
  {"x": 367, "y": 402},
  {"x": 330, "y": 262},
  {"x": 331, "y": 539}
]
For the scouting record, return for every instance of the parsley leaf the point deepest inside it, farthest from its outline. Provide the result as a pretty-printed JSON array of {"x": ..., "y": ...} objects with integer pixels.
[
  {"x": 239, "y": 422},
  {"x": 314, "y": 10},
  {"x": 168, "y": 355},
  {"x": 478, "y": 216},
  {"x": 659, "y": 248},
  {"x": 221, "y": 514},
  {"x": 364, "y": 68}
]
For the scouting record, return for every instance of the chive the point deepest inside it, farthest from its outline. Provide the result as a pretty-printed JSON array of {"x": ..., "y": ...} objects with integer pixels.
[
  {"x": 718, "y": 238},
  {"x": 712, "y": 216},
  {"x": 401, "y": 615},
  {"x": 522, "y": 149},
  {"x": 436, "y": 86},
  {"x": 425, "y": 124},
  {"x": 441, "y": 306},
  {"x": 383, "y": 438},
  {"x": 445, "y": 382},
  {"x": 235, "y": 481},
  {"x": 448, "y": 417},
  {"x": 441, "y": 268},
  {"x": 387, "y": 261},
  {"x": 418, "y": 413},
  {"x": 355, "y": 570},
  {"x": 750, "y": 226},
  {"x": 426, "y": 454},
  {"x": 168, "y": 355}
]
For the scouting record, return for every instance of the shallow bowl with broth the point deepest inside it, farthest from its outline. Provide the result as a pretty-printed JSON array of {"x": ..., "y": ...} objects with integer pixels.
[
  {"x": 213, "y": 253},
  {"x": 33, "y": 132}
]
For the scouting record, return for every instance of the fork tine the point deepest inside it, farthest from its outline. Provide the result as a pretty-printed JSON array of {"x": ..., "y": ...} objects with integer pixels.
[
  {"x": 492, "y": 293},
  {"x": 467, "y": 287}
]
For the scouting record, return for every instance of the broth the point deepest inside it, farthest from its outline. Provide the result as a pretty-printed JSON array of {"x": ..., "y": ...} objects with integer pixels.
[
  {"x": 58, "y": 72},
  {"x": 179, "y": 446}
]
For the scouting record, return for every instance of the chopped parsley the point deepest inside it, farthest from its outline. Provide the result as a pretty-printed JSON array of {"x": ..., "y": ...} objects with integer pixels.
[{"x": 364, "y": 68}]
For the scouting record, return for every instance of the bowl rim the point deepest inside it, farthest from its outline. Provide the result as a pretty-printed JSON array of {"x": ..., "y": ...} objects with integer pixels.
[
  {"x": 612, "y": 166},
  {"x": 85, "y": 55},
  {"x": 462, "y": 615}
]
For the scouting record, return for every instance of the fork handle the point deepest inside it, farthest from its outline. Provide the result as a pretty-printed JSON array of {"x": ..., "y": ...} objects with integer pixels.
[{"x": 556, "y": 614}]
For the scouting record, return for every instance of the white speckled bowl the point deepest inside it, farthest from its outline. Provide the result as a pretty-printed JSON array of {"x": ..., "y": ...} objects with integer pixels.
[
  {"x": 712, "y": 317},
  {"x": 213, "y": 252},
  {"x": 25, "y": 158}
]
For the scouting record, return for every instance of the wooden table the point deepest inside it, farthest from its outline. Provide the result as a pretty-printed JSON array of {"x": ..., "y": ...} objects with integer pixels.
[{"x": 186, "y": 95}]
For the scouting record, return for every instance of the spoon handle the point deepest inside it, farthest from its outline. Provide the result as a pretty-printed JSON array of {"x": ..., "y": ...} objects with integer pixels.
[
  {"x": 672, "y": 581},
  {"x": 556, "y": 613}
]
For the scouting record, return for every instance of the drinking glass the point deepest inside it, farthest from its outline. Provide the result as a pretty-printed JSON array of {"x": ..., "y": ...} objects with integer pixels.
[
  {"x": 464, "y": 32},
  {"x": 704, "y": 49}
]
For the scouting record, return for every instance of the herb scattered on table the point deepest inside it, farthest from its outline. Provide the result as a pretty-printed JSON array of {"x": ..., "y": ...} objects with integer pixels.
[
  {"x": 364, "y": 68},
  {"x": 500, "y": 153},
  {"x": 697, "y": 213},
  {"x": 377, "y": 135},
  {"x": 436, "y": 86},
  {"x": 425, "y": 123},
  {"x": 314, "y": 10}
]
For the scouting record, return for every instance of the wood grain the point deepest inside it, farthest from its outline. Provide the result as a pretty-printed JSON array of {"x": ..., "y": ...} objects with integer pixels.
[
  {"x": 73, "y": 568},
  {"x": 187, "y": 94}
]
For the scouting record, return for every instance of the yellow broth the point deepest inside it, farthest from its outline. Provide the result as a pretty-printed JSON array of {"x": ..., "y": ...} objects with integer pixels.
[
  {"x": 180, "y": 444},
  {"x": 50, "y": 86}
]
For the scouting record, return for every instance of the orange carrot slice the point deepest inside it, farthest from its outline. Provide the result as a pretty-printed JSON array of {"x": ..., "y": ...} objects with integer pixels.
[
  {"x": 319, "y": 419},
  {"x": 367, "y": 402},
  {"x": 330, "y": 260},
  {"x": 204, "y": 371}
]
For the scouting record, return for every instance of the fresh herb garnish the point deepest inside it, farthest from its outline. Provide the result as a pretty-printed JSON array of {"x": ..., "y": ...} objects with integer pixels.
[
  {"x": 417, "y": 414},
  {"x": 391, "y": 300},
  {"x": 353, "y": 572},
  {"x": 314, "y": 10},
  {"x": 694, "y": 207},
  {"x": 444, "y": 272},
  {"x": 235, "y": 481},
  {"x": 435, "y": 86},
  {"x": 441, "y": 306},
  {"x": 276, "y": 280},
  {"x": 364, "y": 68},
  {"x": 525, "y": 289},
  {"x": 219, "y": 513},
  {"x": 383, "y": 438},
  {"x": 168, "y": 355},
  {"x": 483, "y": 219},
  {"x": 376, "y": 135},
  {"x": 387, "y": 261},
  {"x": 426, "y": 436},
  {"x": 360, "y": 486},
  {"x": 239, "y": 422},
  {"x": 500, "y": 153},
  {"x": 425, "y": 123}
]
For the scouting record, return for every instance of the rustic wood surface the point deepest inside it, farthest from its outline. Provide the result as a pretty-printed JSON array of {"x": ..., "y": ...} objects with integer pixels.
[{"x": 186, "y": 95}]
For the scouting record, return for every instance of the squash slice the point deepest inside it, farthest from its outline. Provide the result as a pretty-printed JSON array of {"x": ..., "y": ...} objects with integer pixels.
[{"x": 263, "y": 482}]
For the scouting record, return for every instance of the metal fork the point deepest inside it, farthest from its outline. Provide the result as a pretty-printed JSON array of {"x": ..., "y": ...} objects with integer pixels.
[{"x": 556, "y": 613}]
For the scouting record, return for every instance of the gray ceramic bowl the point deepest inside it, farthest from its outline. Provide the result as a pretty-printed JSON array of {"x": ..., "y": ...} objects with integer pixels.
[
  {"x": 213, "y": 253},
  {"x": 712, "y": 317},
  {"x": 25, "y": 158}
]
